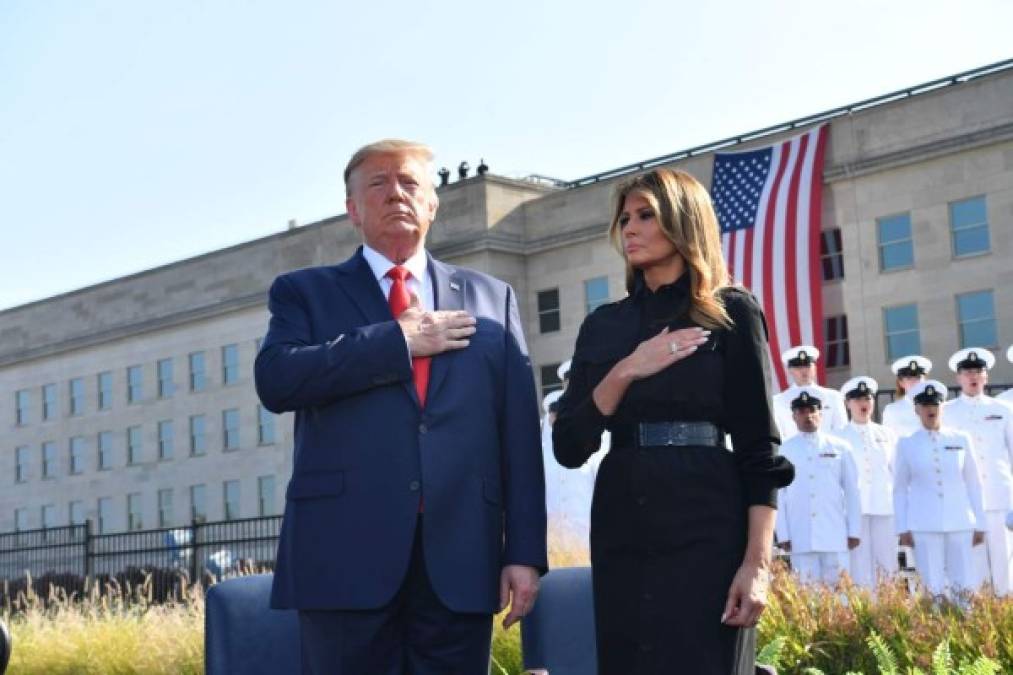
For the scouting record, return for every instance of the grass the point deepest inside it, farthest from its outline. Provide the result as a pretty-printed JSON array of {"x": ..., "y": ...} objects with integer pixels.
[{"x": 807, "y": 629}]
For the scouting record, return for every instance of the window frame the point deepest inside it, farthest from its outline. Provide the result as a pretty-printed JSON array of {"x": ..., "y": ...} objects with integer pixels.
[
  {"x": 880, "y": 244},
  {"x": 954, "y": 229},
  {"x": 891, "y": 357}
]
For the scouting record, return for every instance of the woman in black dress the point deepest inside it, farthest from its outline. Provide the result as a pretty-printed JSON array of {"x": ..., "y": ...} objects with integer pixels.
[{"x": 681, "y": 528}]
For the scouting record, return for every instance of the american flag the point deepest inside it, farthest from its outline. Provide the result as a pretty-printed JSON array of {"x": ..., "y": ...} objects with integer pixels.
[{"x": 768, "y": 203}]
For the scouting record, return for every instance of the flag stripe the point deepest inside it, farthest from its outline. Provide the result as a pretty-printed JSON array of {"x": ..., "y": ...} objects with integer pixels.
[{"x": 769, "y": 204}]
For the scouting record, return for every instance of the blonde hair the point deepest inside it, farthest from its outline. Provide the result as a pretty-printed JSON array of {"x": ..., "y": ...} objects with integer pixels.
[
  {"x": 388, "y": 146},
  {"x": 686, "y": 216}
]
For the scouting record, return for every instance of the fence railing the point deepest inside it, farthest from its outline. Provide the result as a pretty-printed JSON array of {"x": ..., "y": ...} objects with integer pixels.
[{"x": 166, "y": 558}]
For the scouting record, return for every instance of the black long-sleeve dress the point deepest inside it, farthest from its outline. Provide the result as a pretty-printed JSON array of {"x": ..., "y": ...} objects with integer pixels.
[{"x": 669, "y": 525}]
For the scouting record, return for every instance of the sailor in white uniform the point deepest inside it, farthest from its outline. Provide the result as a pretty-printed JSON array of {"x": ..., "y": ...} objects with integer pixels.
[
  {"x": 568, "y": 492},
  {"x": 900, "y": 414},
  {"x": 820, "y": 514},
  {"x": 801, "y": 364},
  {"x": 937, "y": 496},
  {"x": 1007, "y": 396},
  {"x": 873, "y": 446},
  {"x": 990, "y": 425}
]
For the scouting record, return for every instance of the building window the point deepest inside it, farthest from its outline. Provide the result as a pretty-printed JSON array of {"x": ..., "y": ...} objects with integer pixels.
[
  {"x": 20, "y": 519},
  {"x": 896, "y": 248},
  {"x": 835, "y": 333},
  {"x": 198, "y": 503},
  {"x": 165, "y": 507},
  {"x": 105, "y": 391},
  {"x": 105, "y": 514},
  {"x": 596, "y": 293},
  {"x": 49, "y": 403},
  {"x": 550, "y": 380},
  {"x": 230, "y": 429},
  {"x": 198, "y": 372},
  {"x": 976, "y": 316},
  {"x": 548, "y": 310},
  {"x": 21, "y": 406},
  {"x": 77, "y": 452},
  {"x": 133, "y": 445},
  {"x": 75, "y": 513},
  {"x": 832, "y": 254},
  {"x": 230, "y": 364},
  {"x": 135, "y": 384},
  {"x": 48, "y": 516},
  {"x": 105, "y": 450},
  {"x": 166, "y": 386},
  {"x": 198, "y": 439},
  {"x": 21, "y": 462},
  {"x": 165, "y": 439},
  {"x": 265, "y": 496},
  {"x": 49, "y": 459},
  {"x": 230, "y": 491},
  {"x": 76, "y": 396},
  {"x": 134, "y": 519},
  {"x": 901, "y": 331},
  {"x": 265, "y": 426},
  {"x": 969, "y": 227}
]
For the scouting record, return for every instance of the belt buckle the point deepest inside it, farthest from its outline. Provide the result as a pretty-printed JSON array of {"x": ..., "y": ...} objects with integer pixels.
[{"x": 677, "y": 433}]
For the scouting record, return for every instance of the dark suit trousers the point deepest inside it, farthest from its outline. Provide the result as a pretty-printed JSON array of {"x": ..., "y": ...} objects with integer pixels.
[{"x": 413, "y": 635}]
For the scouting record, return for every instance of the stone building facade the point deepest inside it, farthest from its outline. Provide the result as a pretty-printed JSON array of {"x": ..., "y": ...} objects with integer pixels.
[{"x": 131, "y": 402}]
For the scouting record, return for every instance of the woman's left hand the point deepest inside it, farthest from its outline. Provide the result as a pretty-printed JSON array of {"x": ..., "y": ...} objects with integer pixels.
[{"x": 747, "y": 597}]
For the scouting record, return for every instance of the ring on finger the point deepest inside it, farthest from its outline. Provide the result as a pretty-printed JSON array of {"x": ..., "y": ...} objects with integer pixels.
[{"x": 673, "y": 347}]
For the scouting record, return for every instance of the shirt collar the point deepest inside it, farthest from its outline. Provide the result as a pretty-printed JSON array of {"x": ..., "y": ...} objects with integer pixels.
[
  {"x": 970, "y": 399},
  {"x": 380, "y": 264}
]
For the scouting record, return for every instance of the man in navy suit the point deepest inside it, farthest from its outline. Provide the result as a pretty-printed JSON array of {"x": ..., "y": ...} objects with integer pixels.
[{"x": 416, "y": 508}]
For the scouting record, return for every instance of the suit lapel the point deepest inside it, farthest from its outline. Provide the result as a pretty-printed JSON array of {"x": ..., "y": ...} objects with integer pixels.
[
  {"x": 359, "y": 284},
  {"x": 448, "y": 294}
]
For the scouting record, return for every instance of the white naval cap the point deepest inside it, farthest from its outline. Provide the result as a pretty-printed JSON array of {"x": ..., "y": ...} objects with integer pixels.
[
  {"x": 911, "y": 366},
  {"x": 807, "y": 396},
  {"x": 972, "y": 357},
  {"x": 928, "y": 391},
  {"x": 1009, "y": 354},
  {"x": 801, "y": 355},
  {"x": 550, "y": 398},
  {"x": 857, "y": 387},
  {"x": 564, "y": 369}
]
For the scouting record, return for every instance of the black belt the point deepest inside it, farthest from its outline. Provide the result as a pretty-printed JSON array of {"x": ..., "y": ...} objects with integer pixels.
[{"x": 674, "y": 434}]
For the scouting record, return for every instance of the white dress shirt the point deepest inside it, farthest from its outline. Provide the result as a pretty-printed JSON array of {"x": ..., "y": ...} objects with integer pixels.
[
  {"x": 873, "y": 447},
  {"x": 990, "y": 425},
  {"x": 418, "y": 280},
  {"x": 901, "y": 418},
  {"x": 822, "y": 507},
  {"x": 937, "y": 487}
]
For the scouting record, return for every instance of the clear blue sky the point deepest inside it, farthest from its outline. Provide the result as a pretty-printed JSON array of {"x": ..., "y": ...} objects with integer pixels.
[{"x": 137, "y": 133}]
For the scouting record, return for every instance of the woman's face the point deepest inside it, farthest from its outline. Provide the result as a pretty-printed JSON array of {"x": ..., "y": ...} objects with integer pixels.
[{"x": 644, "y": 243}]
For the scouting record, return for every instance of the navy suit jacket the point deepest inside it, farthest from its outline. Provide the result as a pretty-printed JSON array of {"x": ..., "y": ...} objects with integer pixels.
[{"x": 366, "y": 452}]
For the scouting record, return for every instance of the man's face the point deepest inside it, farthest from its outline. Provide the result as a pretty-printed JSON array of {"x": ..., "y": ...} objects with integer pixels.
[
  {"x": 928, "y": 413},
  {"x": 860, "y": 408},
  {"x": 803, "y": 375},
  {"x": 807, "y": 418},
  {"x": 392, "y": 200},
  {"x": 972, "y": 381}
]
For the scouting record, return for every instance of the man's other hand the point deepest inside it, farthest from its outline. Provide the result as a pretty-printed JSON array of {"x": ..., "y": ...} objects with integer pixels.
[
  {"x": 518, "y": 587},
  {"x": 432, "y": 333}
]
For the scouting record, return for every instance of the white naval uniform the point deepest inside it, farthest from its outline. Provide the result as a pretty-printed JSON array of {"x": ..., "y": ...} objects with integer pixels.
[
  {"x": 937, "y": 497},
  {"x": 1006, "y": 397},
  {"x": 900, "y": 417},
  {"x": 821, "y": 508},
  {"x": 568, "y": 495},
  {"x": 835, "y": 415},
  {"x": 874, "y": 447},
  {"x": 990, "y": 425}
]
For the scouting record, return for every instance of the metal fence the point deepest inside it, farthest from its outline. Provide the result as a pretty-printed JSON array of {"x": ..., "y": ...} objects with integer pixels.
[{"x": 166, "y": 559}]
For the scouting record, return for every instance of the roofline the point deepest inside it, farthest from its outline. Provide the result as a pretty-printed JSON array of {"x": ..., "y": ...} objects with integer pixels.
[{"x": 917, "y": 90}]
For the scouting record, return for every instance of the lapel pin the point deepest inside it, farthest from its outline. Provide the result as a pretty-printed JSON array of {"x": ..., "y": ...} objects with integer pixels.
[{"x": 454, "y": 286}]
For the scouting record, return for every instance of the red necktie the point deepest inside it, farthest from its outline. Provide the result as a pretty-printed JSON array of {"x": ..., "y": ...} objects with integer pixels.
[{"x": 399, "y": 300}]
